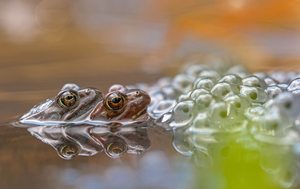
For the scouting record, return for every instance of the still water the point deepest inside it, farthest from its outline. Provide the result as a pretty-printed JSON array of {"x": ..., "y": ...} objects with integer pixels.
[{"x": 27, "y": 162}]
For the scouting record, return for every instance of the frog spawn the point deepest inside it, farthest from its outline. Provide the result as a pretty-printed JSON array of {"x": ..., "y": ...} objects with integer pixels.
[
  {"x": 186, "y": 99},
  {"x": 167, "y": 92},
  {"x": 232, "y": 101},
  {"x": 218, "y": 104},
  {"x": 227, "y": 109}
]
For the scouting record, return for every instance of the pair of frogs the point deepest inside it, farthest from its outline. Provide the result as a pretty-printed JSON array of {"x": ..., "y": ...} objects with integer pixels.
[{"x": 75, "y": 105}]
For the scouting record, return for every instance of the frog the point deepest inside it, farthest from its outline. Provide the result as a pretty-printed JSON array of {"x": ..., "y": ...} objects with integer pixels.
[
  {"x": 75, "y": 105},
  {"x": 122, "y": 104},
  {"x": 71, "y": 104}
]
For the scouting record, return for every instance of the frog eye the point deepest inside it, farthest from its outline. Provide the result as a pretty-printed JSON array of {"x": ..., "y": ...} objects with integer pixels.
[
  {"x": 68, "y": 99},
  {"x": 68, "y": 151},
  {"x": 116, "y": 148},
  {"x": 115, "y": 101}
]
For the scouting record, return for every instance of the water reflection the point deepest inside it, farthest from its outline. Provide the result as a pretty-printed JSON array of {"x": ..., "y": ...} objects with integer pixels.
[
  {"x": 87, "y": 140},
  {"x": 153, "y": 171}
]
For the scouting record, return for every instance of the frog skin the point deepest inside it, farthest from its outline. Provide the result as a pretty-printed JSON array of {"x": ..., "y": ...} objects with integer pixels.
[
  {"x": 122, "y": 105},
  {"x": 88, "y": 105},
  {"x": 70, "y": 105}
]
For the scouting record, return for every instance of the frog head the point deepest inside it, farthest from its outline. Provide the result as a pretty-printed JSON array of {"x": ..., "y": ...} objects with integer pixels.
[
  {"x": 122, "y": 105},
  {"x": 70, "y": 104}
]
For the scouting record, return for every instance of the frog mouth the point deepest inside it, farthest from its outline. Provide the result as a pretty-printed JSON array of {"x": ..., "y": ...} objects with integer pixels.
[{"x": 36, "y": 110}]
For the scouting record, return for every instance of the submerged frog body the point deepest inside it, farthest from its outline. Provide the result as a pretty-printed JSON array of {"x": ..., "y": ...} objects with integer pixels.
[{"x": 88, "y": 105}]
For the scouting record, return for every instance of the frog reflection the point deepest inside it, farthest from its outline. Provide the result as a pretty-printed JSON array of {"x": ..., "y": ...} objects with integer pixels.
[
  {"x": 87, "y": 140},
  {"x": 89, "y": 105}
]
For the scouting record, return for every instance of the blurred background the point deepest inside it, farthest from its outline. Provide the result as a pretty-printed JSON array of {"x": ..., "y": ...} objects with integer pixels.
[{"x": 47, "y": 43}]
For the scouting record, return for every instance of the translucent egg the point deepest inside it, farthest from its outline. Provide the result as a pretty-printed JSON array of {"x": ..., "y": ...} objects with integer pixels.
[
  {"x": 253, "y": 81},
  {"x": 296, "y": 92},
  {"x": 183, "y": 114},
  {"x": 236, "y": 103},
  {"x": 273, "y": 91},
  {"x": 255, "y": 113},
  {"x": 204, "y": 83},
  {"x": 184, "y": 97},
  {"x": 181, "y": 143},
  {"x": 218, "y": 114},
  {"x": 294, "y": 85},
  {"x": 197, "y": 92},
  {"x": 288, "y": 104},
  {"x": 270, "y": 159},
  {"x": 238, "y": 70},
  {"x": 266, "y": 78},
  {"x": 290, "y": 76},
  {"x": 253, "y": 94},
  {"x": 271, "y": 124},
  {"x": 201, "y": 120},
  {"x": 163, "y": 82},
  {"x": 169, "y": 92},
  {"x": 283, "y": 86},
  {"x": 221, "y": 90},
  {"x": 231, "y": 79},
  {"x": 270, "y": 81},
  {"x": 282, "y": 77},
  {"x": 156, "y": 97},
  {"x": 260, "y": 75},
  {"x": 288, "y": 175},
  {"x": 182, "y": 83},
  {"x": 203, "y": 101},
  {"x": 195, "y": 70},
  {"x": 162, "y": 107},
  {"x": 212, "y": 74}
]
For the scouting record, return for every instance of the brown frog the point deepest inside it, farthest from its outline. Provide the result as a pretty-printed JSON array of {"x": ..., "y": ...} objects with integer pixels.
[{"x": 122, "y": 105}]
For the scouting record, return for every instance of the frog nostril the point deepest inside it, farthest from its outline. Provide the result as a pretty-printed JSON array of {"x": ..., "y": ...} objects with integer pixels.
[{"x": 85, "y": 92}]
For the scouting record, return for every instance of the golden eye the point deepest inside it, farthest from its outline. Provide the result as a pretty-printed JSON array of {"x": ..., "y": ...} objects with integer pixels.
[
  {"x": 68, "y": 99},
  {"x": 115, "y": 101},
  {"x": 68, "y": 151}
]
